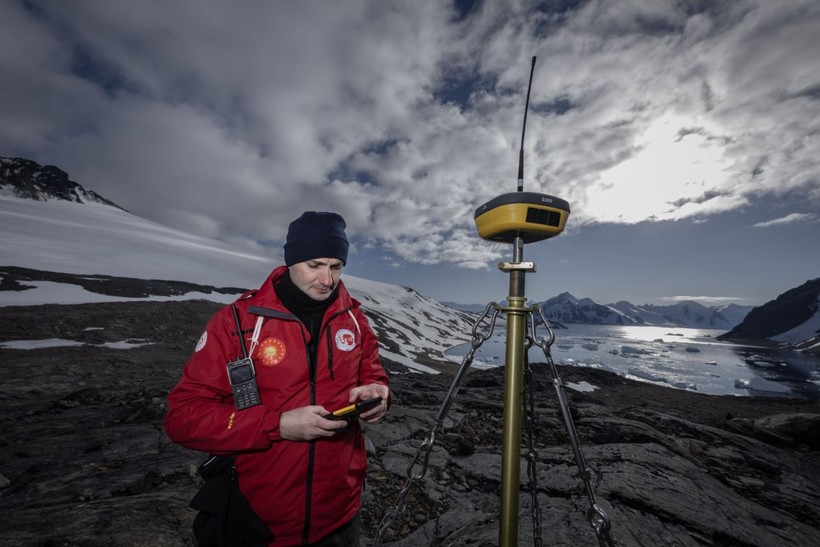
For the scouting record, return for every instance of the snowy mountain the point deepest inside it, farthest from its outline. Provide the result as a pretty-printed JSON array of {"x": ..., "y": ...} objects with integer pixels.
[
  {"x": 566, "y": 308},
  {"x": 733, "y": 313},
  {"x": 792, "y": 320},
  {"x": 51, "y": 224},
  {"x": 689, "y": 313}
]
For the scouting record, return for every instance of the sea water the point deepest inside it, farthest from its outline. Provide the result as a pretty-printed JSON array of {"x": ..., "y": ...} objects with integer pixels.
[{"x": 677, "y": 357}]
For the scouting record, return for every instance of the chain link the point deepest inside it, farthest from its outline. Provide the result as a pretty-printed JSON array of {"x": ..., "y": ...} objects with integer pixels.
[
  {"x": 423, "y": 453},
  {"x": 532, "y": 454}
]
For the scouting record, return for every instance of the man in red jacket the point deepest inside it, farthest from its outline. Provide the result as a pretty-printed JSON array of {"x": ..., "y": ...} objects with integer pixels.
[{"x": 313, "y": 352}]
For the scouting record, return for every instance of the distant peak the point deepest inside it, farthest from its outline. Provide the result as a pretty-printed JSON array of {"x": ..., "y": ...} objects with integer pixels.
[{"x": 28, "y": 179}]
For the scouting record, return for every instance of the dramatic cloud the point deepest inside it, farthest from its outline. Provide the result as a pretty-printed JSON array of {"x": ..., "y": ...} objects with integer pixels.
[{"x": 226, "y": 119}]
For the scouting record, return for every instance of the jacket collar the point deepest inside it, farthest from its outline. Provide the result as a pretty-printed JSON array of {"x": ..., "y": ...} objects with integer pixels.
[{"x": 266, "y": 302}]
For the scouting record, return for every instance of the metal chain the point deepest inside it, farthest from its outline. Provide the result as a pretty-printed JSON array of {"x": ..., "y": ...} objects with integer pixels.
[
  {"x": 596, "y": 516},
  {"x": 532, "y": 454},
  {"x": 422, "y": 456}
]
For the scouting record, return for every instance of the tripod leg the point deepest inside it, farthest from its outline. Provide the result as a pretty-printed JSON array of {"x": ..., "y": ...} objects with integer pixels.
[{"x": 596, "y": 516}]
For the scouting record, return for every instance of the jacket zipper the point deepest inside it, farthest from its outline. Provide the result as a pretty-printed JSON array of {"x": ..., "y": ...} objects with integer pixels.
[
  {"x": 330, "y": 355},
  {"x": 330, "y": 340},
  {"x": 311, "y": 449}
]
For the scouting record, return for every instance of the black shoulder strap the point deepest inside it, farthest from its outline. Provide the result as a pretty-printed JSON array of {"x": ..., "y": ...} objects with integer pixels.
[{"x": 239, "y": 331}]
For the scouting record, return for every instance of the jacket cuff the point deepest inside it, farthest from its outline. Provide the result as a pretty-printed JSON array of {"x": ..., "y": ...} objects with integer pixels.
[{"x": 270, "y": 426}]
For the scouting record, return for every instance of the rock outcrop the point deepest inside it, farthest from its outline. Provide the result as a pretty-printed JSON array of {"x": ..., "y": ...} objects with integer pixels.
[
  {"x": 86, "y": 463},
  {"x": 767, "y": 324},
  {"x": 28, "y": 179}
]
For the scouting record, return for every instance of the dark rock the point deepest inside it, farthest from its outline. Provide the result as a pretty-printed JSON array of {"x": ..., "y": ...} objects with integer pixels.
[
  {"x": 792, "y": 428},
  {"x": 86, "y": 461},
  {"x": 31, "y": 180},
  {"x": 15, "y": 278}
]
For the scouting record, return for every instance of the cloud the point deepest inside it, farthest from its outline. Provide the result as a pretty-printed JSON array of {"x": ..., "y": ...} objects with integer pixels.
[
  {"x": 793, "y": 218},
  {"x": 406, "y": 116},
  {"x": 705, "y": 300}
]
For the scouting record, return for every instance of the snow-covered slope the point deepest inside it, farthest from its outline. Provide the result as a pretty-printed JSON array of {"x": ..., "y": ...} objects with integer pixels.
[
  {"x": 28, "y": 179},
  {"x": 94, "y": 238}
]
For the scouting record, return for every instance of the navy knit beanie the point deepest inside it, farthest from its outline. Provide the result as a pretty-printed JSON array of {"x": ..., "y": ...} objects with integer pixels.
[{"x": 316, "y": 235}]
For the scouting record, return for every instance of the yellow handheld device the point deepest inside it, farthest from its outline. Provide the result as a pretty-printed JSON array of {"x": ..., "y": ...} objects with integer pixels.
[{"x": 354, "y": 410}]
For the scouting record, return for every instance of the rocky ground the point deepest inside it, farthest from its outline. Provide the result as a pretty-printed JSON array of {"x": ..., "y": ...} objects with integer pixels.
[{"x": 84, "y": 461}]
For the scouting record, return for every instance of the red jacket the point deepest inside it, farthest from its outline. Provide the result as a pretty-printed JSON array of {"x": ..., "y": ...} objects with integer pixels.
[{"x": 302, "y": 490}]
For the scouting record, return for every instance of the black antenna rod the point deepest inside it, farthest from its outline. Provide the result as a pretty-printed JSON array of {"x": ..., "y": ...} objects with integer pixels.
[{"x": 523, "y": 129}]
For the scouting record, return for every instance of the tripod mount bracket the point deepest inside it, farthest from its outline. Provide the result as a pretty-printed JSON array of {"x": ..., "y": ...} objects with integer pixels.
[{"x": 516, "y": 266}]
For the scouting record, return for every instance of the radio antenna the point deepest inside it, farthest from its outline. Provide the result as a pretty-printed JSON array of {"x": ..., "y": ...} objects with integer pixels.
[
  {"x": 523, "y": 129},
  {"x": 522, "y": 217}
]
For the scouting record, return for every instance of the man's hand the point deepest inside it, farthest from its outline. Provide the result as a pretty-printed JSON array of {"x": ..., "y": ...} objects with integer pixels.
[
  {"x": 368, "y": 392},
  {"x": 306, "y": 423}
]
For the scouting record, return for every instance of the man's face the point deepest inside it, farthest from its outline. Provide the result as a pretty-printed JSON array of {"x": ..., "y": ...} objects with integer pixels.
[{"x": 317, "y": 277}]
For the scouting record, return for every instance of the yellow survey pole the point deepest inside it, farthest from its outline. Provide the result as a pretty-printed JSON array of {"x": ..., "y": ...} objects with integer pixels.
[{"x": 513, "y": 396}]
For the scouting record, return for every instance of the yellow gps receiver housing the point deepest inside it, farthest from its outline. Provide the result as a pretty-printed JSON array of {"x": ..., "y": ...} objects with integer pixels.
[{"x": 528, "y": 215}]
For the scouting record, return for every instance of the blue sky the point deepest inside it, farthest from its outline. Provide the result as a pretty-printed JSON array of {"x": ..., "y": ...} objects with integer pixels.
[{"x": 684, "y": 135}]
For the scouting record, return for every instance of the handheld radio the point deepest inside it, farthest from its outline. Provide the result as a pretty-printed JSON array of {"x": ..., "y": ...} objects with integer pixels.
[{"x": 242, "y": 374}]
